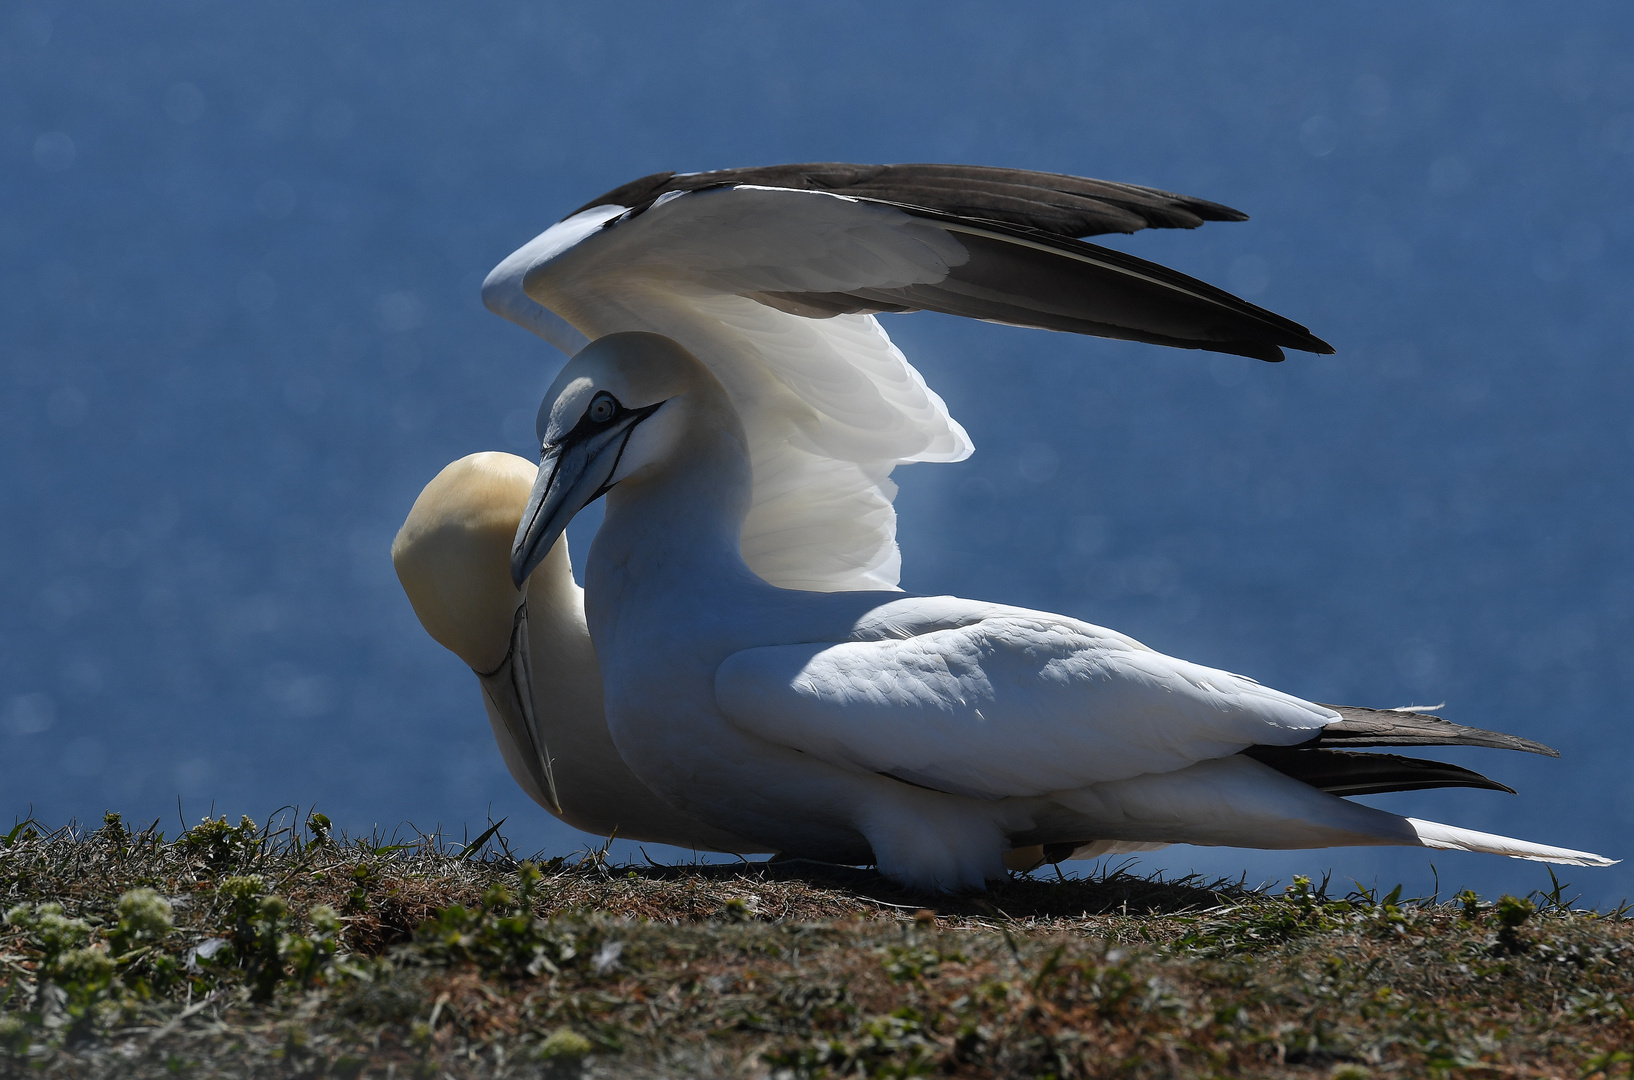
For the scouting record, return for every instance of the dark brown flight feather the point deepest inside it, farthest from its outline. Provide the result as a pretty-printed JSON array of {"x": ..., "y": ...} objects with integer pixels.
[
  {"x": 1397, "y": 727},
  {"x": 1027, "y": 266},
  {"x": 1051, "y": 202},
  {"x": 1025, "y": 278}
]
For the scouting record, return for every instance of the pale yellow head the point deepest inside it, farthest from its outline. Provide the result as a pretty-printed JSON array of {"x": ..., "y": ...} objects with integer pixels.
[{"x": 453, "y": 555}]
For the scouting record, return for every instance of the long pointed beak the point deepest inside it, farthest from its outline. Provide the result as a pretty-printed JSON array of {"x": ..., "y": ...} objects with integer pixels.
[
  {"x": 572, "y": 474},
  {"x": 510, "y": 688}
]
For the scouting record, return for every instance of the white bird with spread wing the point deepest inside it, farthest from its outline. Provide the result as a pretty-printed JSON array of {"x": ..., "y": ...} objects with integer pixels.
[
  {"x": 768, "y": 276},
  {"x": 929, "y": 735}
]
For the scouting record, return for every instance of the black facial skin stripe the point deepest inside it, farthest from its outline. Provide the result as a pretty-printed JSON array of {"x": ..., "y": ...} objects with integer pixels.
[
  {"x": 587, "y": 427},
  {"x": 640, "y": 415},
  {"x": 605, "y": 488}
]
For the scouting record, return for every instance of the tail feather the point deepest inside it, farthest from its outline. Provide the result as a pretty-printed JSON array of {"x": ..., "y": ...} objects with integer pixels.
[
  {"x": 1433, "y": 834},
  {"x": 1347, "y": 772}
]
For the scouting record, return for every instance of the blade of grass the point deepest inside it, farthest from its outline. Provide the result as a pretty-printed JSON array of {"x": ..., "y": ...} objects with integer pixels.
[{"x": 476, "y": 845}]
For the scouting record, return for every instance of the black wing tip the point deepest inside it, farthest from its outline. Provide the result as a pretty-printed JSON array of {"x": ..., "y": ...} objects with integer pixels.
[
  {"x": 1261, "y": 335},
  {"x": 1291, "y": 336},
  {"x": 1288, "y": 335},
  {"x": 1279, "y": 333},
  {"x": 1241, "y": 328},
  {"x": 1359, "y": 726},
  {"x": 1254, "y": 350},
  {"x": 1311, "y": 344},
  {"x": 1348, "y": 772},
  {"x": 1211, "y": 211}
]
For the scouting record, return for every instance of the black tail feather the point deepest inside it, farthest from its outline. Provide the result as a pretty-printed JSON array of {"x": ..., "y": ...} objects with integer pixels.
[
  {"x": 1346, "y": 772},
  {"x": 1328, "y": 763}
]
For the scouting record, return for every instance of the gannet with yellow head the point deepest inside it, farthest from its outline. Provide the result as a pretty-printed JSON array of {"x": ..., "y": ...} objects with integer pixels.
[
  {"x": 531, "y": 652},
  {"x": 772, "y": 275}
]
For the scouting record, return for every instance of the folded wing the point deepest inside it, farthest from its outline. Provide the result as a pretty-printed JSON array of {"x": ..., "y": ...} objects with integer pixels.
[{"x": 1012, "y": 703}]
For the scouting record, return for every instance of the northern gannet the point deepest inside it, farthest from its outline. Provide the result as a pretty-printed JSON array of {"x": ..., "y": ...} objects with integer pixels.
[
  {"x": 531, "y": 652},
  {"x": 928, "y": 735},
  {"x": 772, "y": 274}
]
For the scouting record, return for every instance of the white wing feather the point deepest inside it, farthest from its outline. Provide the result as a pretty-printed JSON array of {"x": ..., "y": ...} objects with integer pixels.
[
  {"x": 831, "y": 406},
  {"x": 1012, "y": 703}
]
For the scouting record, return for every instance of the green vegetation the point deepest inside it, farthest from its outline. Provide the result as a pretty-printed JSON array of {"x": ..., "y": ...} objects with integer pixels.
[{"x": 253, "y": 950}]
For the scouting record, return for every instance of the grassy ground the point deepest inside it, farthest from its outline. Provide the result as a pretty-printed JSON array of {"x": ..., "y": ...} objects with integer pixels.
[{"x": 242, "y": 951}]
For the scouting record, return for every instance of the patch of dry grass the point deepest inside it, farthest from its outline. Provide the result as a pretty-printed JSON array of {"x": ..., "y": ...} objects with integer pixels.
[{"x": 484, "y": 966}]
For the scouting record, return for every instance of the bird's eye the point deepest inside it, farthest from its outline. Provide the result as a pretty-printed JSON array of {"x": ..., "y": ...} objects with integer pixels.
[{"x": 602, "y": 409}]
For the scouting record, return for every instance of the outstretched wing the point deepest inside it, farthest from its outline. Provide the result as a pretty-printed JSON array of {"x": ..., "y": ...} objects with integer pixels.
[
  {"x": 1052, "y": 202},
  {"x": 1010, "y": 703},
  {"x": 771, "y": 276}
]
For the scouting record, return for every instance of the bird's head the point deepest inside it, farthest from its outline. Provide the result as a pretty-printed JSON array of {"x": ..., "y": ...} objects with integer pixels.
[
  {"x": 452, "y": 555},
  {"x": 615, "y": 414}
]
